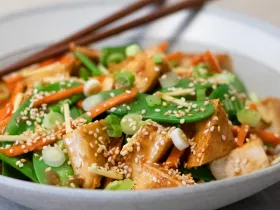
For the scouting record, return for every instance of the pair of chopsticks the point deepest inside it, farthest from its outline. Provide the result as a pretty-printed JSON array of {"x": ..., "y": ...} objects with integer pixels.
[{"x": 89, "y": 34}]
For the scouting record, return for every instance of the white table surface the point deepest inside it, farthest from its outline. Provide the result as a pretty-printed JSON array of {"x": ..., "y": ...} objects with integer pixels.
[{"x": 266, "y": 10}]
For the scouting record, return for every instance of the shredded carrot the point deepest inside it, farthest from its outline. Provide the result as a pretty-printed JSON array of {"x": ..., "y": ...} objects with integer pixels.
[
  {"x": 13, "y": 78},
  {"x": 176, "y": 56},
  {"x": 47, "y": 62},
  {"x": 235, "y": 129},
  {"x": 6, "y": 111},
  {"x": 100, "y": 78},
  {"x": 3, "y": 124},
  {"x": 79, "y": 104},
  {"x": 253, "y": 106},
  {"x": 174, "y": 157},
  {"x": 17, "y": 150},
  {"x": 112, "y": 102},
  {"x": 66, "y": 59},
  {"x": 59, "y": 96},
  {"x": 268, "y": 137},
  {"x": 212, "y": 61},
  {"x": 18, "y": 89},
  {"x": 197, "y": 59},
  {"x": 242, "y": 133},
  {"x": 163, "y": 46}
]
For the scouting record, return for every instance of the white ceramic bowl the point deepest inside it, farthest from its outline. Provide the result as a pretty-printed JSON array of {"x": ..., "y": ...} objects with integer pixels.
[{"x": 255, "y": 48}]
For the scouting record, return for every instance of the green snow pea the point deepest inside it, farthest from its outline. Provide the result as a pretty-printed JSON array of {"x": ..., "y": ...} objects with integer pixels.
[
  {"x": 157, "y": 113},
  {"x": 220, "y": 91},
  {"x": 76, "y": 112},
  {"x": 201, "y": 173},
  {"x": 27, "y": 168},
  {"x": 63, "y": 171}
]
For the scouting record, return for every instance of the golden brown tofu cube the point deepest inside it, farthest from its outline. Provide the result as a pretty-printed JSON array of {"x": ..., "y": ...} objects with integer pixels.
[
  {"x": 242, "y": 160},
  {"x": 144, "y": 69},
  {"x": 270, "y": 112},
  {"x": 152, "y": 176},
  {"x": 150, "y": 143},
  {"x": 213, "y": 138},
  {"x": 86, "y": 146}
]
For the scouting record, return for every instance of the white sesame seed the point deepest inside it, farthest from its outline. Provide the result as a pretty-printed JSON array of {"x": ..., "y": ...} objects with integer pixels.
[
  {"x": 157, "y": 110},
  {"x": 212, "y": 128},
  {"x": 182, "y": 121},
  {"x": 224, "y": 137}
]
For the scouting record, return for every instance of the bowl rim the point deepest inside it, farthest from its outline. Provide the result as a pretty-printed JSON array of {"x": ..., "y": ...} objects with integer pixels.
[{"x": 104, "y": 195}]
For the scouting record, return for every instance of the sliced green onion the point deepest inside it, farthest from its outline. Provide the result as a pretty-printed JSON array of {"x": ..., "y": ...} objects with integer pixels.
[
  {"x": 106, "y": 52},
  {"x": 130, "y": 123},
  {"x": 113, "y": 127},
  {"x": 124, "y": 78},
  {"x": 103, "y": 69},
  {"x": 92, "y": 101},
  {"x": 232, "y": 107},
  {"x": 157, "y": 59},
  {"x": 169, "y": 79},
  {"x": 126, "y": 184},
  {"x": 88, "y": 63},
  {"x": 132, "y": 50},
  {"x": 153, "y": 100},
  {"x": 84, "y": 73},
  {"x": 201, "y": 70},
  {"x": 115, "y": 58},
  {"x": 254, "y": 97},
  {"x": 249, "y": 117},
  {"x": 53, "y": 156},
  {"x": 200, "y": 94},
  {"x": 52, "y": 120}
]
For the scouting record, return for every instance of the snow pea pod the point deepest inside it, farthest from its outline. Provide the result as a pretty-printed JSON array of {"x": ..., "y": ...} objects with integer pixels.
[
  {"x": 27, "y": 168},
  {"x": 198, "y": 111},
  {"x": 220, "y": 92},
  {"x": 63, "y": 171}
]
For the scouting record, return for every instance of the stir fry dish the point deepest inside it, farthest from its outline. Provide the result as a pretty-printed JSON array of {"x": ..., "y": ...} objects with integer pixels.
[{"x": 128, "y": 118}]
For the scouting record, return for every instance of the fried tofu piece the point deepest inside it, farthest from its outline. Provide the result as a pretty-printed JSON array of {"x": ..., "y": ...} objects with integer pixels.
[
  {"x": 85, "y": 146},
  {"x": 146, "y": 72},
  {"x": 223, "y": 59},
  {"x": 153, "y": 176},
  {"x": 150, "y": 143},
  {"x": 270, "y": 112},
  {"x": 240, "y": 161},
  {"x": 213, "y": 138},
  {"x": 56, "y": 69}
]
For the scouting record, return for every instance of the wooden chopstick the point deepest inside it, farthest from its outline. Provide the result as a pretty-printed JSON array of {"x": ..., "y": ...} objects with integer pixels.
[
  {"x": 93, "y": 37},
  {"x": 106, "y": 21}
]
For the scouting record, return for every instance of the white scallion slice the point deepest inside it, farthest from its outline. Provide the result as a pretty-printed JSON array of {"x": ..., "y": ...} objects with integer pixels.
[
  {"x": 169, "y": 79},
  {"x": 53, "y": 156},
  {"x": 52, "y": 120},
  {"x": 91, "y": 87},
  {"x": 130, "y": 123},
  {"x": 92, "y": 101},
  {"x": 179, "y": 139}
]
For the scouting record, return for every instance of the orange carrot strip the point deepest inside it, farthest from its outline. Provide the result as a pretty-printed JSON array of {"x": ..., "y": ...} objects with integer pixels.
[
  {"x": 197, "y": 59},
  {"x": 17, "y": 150},
  {"x": 47, "y": 62},
  {"x": 3, "y": 124},
  {"x": 268, "y": 137},
  {"x": 79, "y": 104},
  {"x": 163, "y": 46},
  {"x": 175, "y": 56},
  {"x": 6, "y": 111},
  {"x": 174, "y": 157},
  {"x": 242, "y": 133},
  {"x": 212, "y": 61},
  {"x": 235, "y": 129},
  {"x": 100, "y": 78},
  {"x": 253, "y": 106},
  {"x": 66, "y": 59},
  {"x": 18, "y": 89},
  {"x": 13, "y": 78},
  {"x": 59, "y": 96},
  {"x": 112, "y": 102}
]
